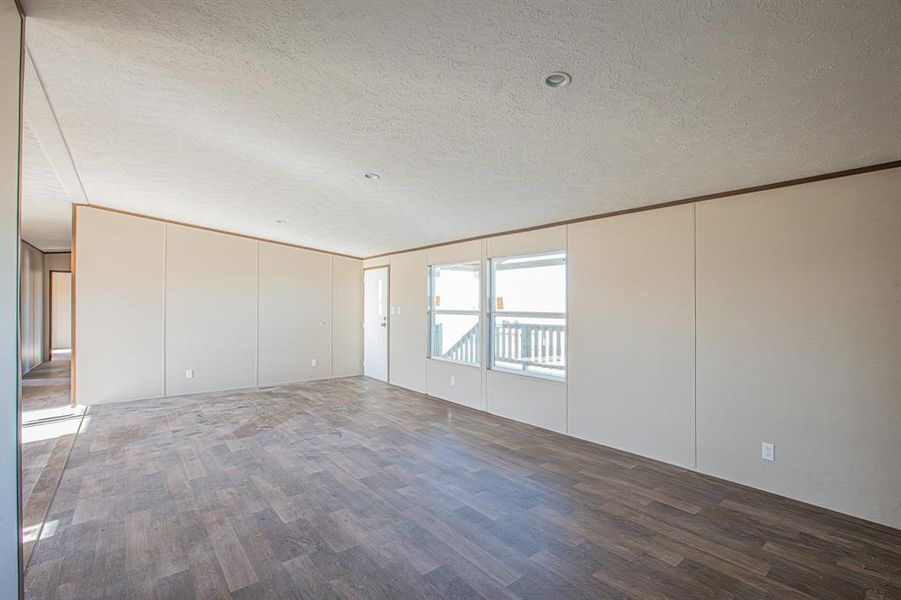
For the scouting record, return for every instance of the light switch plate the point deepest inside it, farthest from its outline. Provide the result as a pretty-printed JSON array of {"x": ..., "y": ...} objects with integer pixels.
[
  {"x": 189, "y": 373},
  {"x": 314, "y": 362},
  {"x": 453, "y": 381},
  {"x": 768, "y": 451}
]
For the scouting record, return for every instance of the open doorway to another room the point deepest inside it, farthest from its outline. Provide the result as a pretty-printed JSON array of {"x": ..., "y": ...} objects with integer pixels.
[{"x": 60, "y": 315}]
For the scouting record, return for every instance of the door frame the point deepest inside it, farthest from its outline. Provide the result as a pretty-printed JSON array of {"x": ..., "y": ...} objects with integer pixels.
[
  {"x": 388, "y": 297},
  {"x": 50, "y": 311}
]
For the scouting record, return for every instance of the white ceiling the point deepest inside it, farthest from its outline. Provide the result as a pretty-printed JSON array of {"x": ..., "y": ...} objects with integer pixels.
[
  {"x": 46, "y": 210},
  {"x": 235, "y": 113}
]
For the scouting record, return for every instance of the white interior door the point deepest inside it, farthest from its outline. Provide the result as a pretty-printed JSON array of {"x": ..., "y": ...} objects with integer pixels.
[{"x": 375, "y": 323}]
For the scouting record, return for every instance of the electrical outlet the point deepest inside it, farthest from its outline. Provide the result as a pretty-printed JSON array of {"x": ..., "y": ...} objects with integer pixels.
[
  {"x": 453, "y": 381},
  {"x": 189, "y": 373},
  {"x": 768, "y": 451},
  {"x": 314, "y": 362}
]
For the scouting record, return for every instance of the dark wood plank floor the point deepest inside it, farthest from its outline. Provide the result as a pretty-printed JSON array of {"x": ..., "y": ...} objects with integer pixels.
[{"x": 354, "y": 489}]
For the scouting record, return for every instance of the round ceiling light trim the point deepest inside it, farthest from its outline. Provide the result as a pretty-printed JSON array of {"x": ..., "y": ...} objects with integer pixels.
[
  {"x": 558, "y": 79},
  {"x": 372, "y": 176}
]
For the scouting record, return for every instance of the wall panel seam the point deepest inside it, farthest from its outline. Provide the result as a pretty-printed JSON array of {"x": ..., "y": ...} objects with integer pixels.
[
  {"x": 694, "y": 237},
  {"x": 256, "y": 368},
  {"x": 165, "y": 298}
]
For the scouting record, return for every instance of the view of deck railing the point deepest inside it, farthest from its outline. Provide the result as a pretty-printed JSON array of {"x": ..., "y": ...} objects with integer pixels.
[
  {"x": 466, "y": 350},
  {"x": 528, "y": 344},
  {"x": 524, "y": 344}
]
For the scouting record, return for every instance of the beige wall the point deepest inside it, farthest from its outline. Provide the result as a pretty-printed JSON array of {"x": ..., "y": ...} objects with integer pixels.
[
  {"x": 119, "y": 301},
  {"x": 31, "y": 308},
  {"x": 155, "y": 299},
  {"x": 347, "y": 316},
  {"x": 408, "y": 325},
  {"x": 211, "y": 310},
  {"x": 793, "y": 299},
  {"x": 799, "y": 342},
  {"x": 698, "y": 332},
  {"x": 631, "y": 333},
  {"x": 295, "y": 314},
  {"x": 458, "y": 383},
  {"x": 532, "y": 400}
]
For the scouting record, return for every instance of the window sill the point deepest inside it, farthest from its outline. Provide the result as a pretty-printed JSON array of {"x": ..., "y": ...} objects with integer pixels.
[
  {"x": 550, "y": 378},
  {"x": 453, "y": 362}
]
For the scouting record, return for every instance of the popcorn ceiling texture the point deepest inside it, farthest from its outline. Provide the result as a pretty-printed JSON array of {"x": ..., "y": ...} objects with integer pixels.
[
  {"x": 46, "y": 209},
  {"x": 232, "y": 114}
]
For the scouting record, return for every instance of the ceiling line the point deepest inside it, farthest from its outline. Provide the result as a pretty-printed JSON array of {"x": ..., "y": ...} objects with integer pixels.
[
  {"x": 46, "y": 128},
  {"x": 737, "y": 192},
  {"x": 214, "y": 230}
]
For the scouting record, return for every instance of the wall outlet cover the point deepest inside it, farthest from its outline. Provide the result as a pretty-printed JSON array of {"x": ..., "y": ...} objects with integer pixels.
[
  {"x": 453, "y": 381},
  {"x": 189, "y": 373},
  {"x": 314, "y": 362},
  {"x": 768, "y": 451}
]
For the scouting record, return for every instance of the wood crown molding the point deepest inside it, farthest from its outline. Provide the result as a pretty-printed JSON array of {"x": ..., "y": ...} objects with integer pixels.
[
  {"x": 214, "y": 230},
  {"x": 737, "y": 192},
  {"x": 27, "y": 243}
]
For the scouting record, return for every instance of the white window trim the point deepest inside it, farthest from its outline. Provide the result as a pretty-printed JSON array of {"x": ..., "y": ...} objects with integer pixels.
[
  {"x": 432, "y": 312},
  {"x": 492, "y": 313}
]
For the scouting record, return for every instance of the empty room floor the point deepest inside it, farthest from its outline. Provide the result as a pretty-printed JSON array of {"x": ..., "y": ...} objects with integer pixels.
[
  {"x": 352, "y": 488},
  {"x": 49, "y": 426}
]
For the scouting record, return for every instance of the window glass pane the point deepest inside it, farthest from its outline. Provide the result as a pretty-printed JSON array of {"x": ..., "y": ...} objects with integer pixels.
[
  {"x": 456, "y": 337},
  {"x": 530, "y": 284},
  {"x": 455, "y": 287},
  {"x": 533, "y": 345}
]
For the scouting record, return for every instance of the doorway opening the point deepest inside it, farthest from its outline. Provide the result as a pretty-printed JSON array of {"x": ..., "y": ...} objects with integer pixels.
[
  {"x": 60, "y": 315},
  {"x": 375, "y": 322}
]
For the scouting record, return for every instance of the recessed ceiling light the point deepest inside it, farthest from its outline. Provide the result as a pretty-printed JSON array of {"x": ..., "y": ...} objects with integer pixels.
[
  {"x": 557, "y": 79},
  {"x": 371, "y": 176},
  {"x": 281, "y": 221}
]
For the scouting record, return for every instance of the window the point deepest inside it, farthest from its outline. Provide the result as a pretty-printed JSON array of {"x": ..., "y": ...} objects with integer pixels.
[
  {"x": 454, "y": 326},
  {"x": 528, "y": 314}
]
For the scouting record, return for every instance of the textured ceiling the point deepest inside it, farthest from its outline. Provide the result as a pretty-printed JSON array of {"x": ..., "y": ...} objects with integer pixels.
[
  {"x": 233, "y": 114},
  {"x": 46, "y": 209}
]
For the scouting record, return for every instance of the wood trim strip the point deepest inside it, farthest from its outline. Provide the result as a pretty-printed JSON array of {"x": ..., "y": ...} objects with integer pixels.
[
  {"x": 213, "y": 229},
  {"x": 737, "y": 192},
  {"x": 73, "y": 398},
  {"x": 27, "y": 243}
]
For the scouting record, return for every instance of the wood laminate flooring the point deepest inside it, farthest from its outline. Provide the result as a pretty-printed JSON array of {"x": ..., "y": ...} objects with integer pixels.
[
  {"x": 49, "y": 427},
  {"x": 352, "y": 488}
]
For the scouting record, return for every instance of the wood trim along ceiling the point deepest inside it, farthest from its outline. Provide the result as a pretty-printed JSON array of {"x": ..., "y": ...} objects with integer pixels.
[
  {"x": 27, "y": 243},
  {"x": 213, "y": 229},
  {"x": 748, "y": 190}
]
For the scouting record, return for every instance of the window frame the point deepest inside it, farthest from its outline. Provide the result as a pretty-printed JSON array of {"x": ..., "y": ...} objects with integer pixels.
[
  {"x": 492, "y": 314},
  {"x": 433, "y": 311}
]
